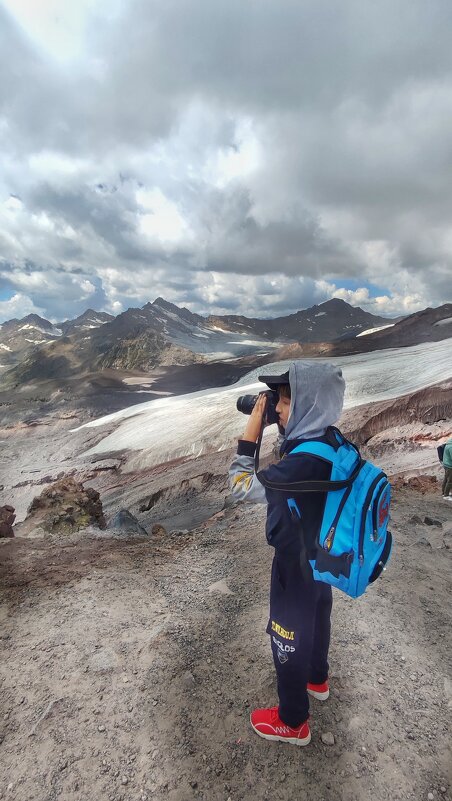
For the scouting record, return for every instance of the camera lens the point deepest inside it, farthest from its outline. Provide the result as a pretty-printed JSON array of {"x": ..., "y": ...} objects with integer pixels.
[{"x": 245, "y": 403}]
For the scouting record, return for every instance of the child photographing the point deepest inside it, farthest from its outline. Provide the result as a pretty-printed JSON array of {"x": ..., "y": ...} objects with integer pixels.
[{"x": 310, "y": 400}]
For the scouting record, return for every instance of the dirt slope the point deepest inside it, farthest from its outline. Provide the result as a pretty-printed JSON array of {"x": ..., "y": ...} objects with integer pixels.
[{"x": 129, "y": 670}]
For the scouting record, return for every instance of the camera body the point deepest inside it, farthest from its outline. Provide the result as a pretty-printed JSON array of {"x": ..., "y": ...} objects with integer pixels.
[{"x": 246, "y": 403}]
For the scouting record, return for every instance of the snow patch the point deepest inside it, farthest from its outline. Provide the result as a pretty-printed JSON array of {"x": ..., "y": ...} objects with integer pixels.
[
  {"x": 253, "y": 342},
  {"x": 372, "y": 330},
  {"x": 98, "y": 322},
  {"x": 46, "y": 332},
  {"x": 28, "y": 326},
  {"x": 178, "y": 319}
]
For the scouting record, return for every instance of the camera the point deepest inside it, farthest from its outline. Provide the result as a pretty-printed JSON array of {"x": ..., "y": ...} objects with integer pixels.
[{"x": 246, "y": 403}]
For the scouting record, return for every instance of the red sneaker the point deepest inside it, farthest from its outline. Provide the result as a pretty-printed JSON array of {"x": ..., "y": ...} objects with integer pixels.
[
  {"x": 319, "y": 691},
  {"x": 267, "y": 723}
]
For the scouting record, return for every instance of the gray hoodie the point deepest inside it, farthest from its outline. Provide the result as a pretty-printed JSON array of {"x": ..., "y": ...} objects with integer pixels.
[{"x": 317, "y": 396}]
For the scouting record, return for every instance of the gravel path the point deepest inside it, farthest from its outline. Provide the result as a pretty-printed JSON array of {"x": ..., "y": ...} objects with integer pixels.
[{"x": 129, "y": 670}]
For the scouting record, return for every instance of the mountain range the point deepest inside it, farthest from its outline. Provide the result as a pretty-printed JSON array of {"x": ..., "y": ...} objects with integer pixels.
[
  {"x": 17, "y": 337},
  {"x": 163, "y": 334}
]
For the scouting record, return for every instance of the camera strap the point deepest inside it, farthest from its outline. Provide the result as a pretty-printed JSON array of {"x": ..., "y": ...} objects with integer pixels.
[{"x": 258, "y": 448}]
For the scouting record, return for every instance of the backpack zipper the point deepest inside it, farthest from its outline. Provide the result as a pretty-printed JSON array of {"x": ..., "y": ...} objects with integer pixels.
[
  {"x": 366, "y": 507},
  {"x": 375, "y": 510},
  {"x": 328, "y": 543}
]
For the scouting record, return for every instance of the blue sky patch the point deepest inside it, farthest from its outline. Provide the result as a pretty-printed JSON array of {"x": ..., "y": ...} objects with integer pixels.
[
  {"x": 354, "y": 284},
  {"x": 6, "y": 294}
]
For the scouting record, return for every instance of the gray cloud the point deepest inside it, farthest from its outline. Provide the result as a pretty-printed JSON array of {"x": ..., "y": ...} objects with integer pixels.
[{"x": 307, "y": 146}]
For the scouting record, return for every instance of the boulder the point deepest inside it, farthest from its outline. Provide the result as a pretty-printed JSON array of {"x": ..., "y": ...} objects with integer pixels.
[
  {"x": 431, "y": 521},
  {"x": 126, "y": 523},
  {"x": 158, "y": 530}
]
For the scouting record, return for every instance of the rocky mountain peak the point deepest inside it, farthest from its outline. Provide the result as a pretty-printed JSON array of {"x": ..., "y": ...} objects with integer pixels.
[
  {"x": 87, "y": 320},
  {"x": 170, "y": 308},
  {"x": 32, "y": 320},
  {"x": 89, "y": 313},
  {"x": 333, "y": 303},
  {"x": 164, "y": 304},
  {"x": 35, "y": 319}
]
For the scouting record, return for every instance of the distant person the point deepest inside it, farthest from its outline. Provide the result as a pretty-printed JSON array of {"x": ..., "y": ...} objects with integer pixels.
[
  {"x": 447, "y": 464},
  {"x": 310, "y": 399}
]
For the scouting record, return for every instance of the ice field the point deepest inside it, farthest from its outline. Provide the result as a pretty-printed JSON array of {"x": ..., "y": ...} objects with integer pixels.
[{"x": 206, "y": 421}]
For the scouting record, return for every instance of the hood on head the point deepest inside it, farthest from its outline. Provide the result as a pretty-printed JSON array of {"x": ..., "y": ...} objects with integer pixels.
[{"x": 317, "y": 397}]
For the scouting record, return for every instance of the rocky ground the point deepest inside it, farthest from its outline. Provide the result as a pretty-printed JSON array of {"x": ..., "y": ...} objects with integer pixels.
[{"x": 130, "y": 663}]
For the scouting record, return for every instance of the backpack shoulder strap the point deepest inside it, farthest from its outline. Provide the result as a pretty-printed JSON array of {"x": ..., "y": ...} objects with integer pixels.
[{"x": 320, "y": 450}]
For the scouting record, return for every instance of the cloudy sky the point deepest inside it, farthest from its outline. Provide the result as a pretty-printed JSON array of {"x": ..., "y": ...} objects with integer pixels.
[{"x": 233, "y": 156}]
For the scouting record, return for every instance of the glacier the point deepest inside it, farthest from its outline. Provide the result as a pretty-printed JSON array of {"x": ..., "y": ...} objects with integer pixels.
[{"x": 189, "y": 425}]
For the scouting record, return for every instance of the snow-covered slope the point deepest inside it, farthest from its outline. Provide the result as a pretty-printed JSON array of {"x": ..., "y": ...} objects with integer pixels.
[{"x": 189, "y": 425}]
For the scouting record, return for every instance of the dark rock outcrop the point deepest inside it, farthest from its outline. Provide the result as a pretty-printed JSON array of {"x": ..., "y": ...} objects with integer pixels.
[
  {"x": 428, "y": 405},
  {"x": 7, "y": 518},
  {"x": 66, "y": 506}
]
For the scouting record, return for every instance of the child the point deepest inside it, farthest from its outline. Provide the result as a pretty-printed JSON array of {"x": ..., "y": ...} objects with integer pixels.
[{"x": 310, "y": 399}]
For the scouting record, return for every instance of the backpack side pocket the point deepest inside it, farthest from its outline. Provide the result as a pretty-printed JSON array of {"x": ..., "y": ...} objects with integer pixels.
[{"x": 384, "y": 556}]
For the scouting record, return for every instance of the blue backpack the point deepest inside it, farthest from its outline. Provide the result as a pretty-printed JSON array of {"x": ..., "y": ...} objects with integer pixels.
[{"x": 354, "y": 543}]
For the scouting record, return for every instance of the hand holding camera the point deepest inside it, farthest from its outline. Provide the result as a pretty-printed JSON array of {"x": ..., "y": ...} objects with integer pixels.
[
  {"x": 257, "y": 417},
  {"x": 271, "y": 406}
]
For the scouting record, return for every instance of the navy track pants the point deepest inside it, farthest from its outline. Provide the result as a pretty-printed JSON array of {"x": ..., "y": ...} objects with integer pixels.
[{"x": 299, "y": 628}]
